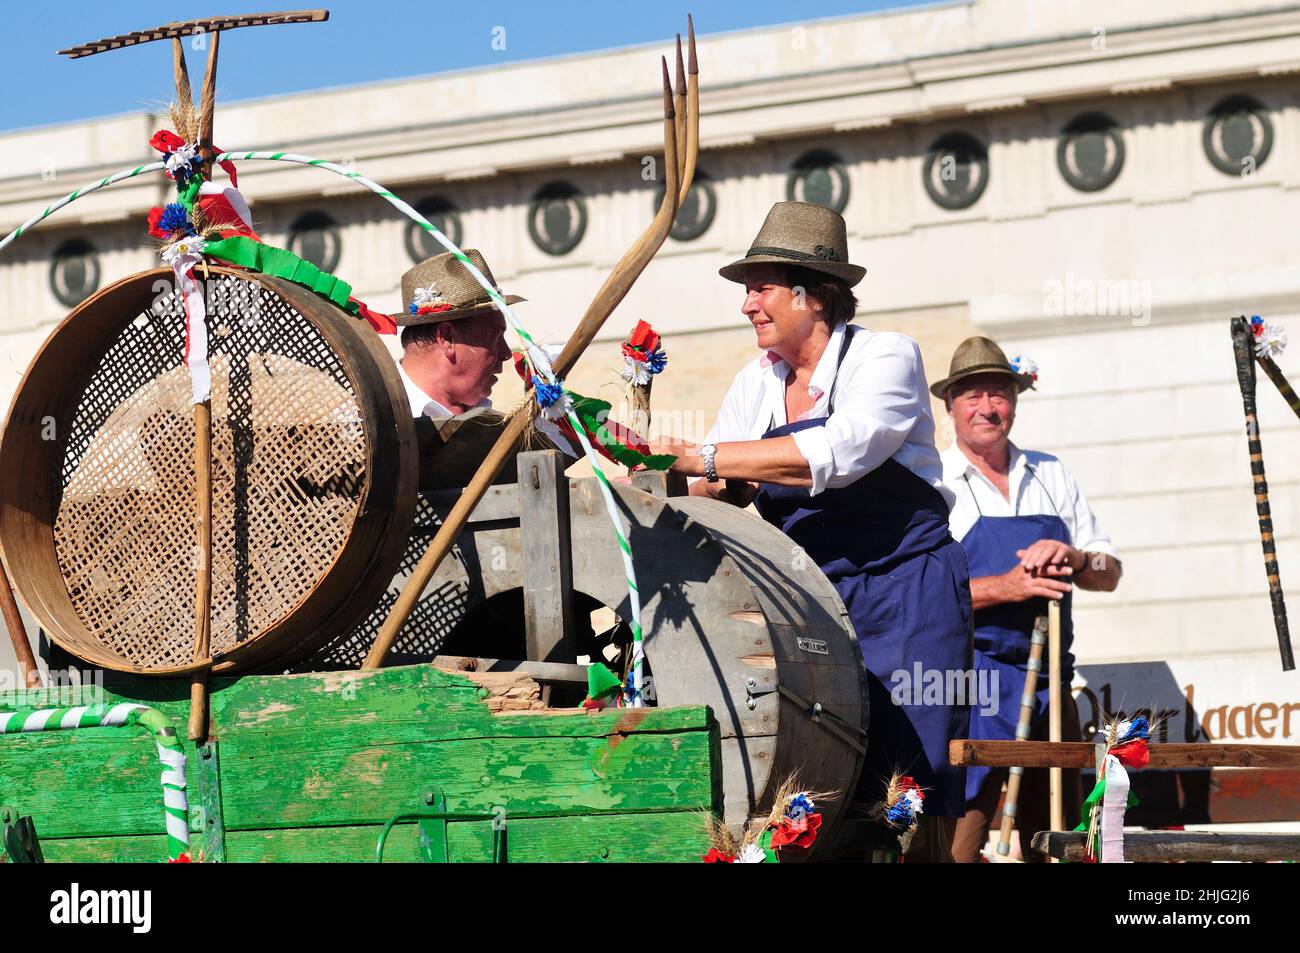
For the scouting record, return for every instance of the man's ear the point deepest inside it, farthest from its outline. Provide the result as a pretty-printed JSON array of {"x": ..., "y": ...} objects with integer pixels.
[{"x": 446, "y": 339}]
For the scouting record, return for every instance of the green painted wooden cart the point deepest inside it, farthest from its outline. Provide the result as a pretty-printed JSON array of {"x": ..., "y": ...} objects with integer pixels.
[{"x": 312, "y": 767}]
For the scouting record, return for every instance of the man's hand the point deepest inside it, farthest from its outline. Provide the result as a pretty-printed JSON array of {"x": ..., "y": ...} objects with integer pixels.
[
  {"x": 738, "y": 492},
  {"x": 1051, "y": 557},
  {"x": 1020, "y": 584}
]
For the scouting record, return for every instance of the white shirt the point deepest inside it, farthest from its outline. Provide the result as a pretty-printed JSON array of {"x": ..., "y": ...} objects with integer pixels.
[
  {"x": 1049, "y": 490},
  {"x": 882, "y": 409}
]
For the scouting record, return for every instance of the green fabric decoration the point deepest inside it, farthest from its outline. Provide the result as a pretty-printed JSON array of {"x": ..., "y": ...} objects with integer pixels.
[
  {"x": 269, "y": 260},
  {"x": 765, "y": 842},
  {"x": 601, "y": 681},
  {"x": 1093, "y": 800},
  {"x": 188, "y": 195},
  {"x": 593, "y": 413}
]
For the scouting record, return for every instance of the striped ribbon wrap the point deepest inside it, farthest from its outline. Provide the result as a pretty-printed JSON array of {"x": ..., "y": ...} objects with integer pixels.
[{"x": 176, "y": 810}]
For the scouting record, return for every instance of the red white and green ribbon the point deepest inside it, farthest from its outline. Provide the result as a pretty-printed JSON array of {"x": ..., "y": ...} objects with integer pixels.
[
  {"x": 176, "y": 809},
  {"x": 182, "y": 256},
  {"x": 1102, "y": 816}
]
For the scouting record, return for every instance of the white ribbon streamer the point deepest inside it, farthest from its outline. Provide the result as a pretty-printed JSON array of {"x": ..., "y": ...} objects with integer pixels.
[{"x": 1114, "y": 803}]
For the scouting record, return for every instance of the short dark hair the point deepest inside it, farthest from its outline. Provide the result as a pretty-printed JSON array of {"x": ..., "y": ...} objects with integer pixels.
[
  {"x": 420, "y": 335},
  {"x": 837, "y": 299}
]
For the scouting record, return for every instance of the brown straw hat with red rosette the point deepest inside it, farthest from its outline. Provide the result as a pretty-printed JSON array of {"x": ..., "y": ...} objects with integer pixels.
[
  {"x": 799, "y": 233},
  {"x": 442, "y": 289},
  {"x": 979, "y": 355}
]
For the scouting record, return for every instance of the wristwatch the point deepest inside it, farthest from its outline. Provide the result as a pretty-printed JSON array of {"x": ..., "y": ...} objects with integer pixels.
[{"x": 707, "y": 453}]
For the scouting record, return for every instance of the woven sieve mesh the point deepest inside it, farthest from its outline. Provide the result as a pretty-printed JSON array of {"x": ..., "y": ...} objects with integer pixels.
[{"x": 288, "y": 474}]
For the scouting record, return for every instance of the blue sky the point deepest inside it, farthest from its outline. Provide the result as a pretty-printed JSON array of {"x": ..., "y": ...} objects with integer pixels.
[{"x": 362, "y": 42}]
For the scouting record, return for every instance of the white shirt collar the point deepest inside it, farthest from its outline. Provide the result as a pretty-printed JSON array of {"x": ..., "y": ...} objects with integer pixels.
[
  {"x": 424, "y": 405},
  {"x": 957, "y": 465},
  {"x": 823, "y": 376}
]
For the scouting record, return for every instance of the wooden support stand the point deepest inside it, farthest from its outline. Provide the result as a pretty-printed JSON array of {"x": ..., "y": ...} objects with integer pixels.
[
  {"x": 1153, "y": 846},
  {"x": 548, "y": 565},
  {"x": 1183, "y": 846}
]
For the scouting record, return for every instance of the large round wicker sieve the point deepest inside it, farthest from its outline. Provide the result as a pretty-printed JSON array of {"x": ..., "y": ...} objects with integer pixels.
[{"x": 313, "y": 475}]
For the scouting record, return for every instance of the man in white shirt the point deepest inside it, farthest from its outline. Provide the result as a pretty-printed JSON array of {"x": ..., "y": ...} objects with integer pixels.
[{"x": 1029, "y": 536}]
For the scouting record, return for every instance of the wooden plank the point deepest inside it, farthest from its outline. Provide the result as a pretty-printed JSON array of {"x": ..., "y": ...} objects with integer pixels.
[
  {"x": 549, "y": 631},
  {"x": 1187, "y": 846},
  {"x": 341, "y": 782},
  {"x": 677, "y": 836},
  {"x": 93, "y": 782},
  {"x": 556, "y": 672},
  {"x": 1081, "y": 754}
]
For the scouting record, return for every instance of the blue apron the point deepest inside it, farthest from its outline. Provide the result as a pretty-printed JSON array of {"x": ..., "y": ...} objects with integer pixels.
[
  {"x": 883, "y": 542},
  {"x": 1002, "y": 632}
]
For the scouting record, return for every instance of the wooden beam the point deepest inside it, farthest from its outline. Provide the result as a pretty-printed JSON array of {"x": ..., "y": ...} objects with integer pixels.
[
  {"x": 18, "y": 633},
  {"x": 1081, "y": 754},
  {"x": 558, "y": 673},
  {"x": 549, "y": 630},
  {"x": 1193, "y": 846},
  {"x": 185, "y": 28}
]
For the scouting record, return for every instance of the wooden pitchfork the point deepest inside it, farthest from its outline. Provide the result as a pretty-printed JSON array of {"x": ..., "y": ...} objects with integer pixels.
[{"x": 681, "y": 147}]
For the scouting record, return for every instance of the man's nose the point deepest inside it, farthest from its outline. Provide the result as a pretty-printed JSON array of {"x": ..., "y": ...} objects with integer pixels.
[{"x": 750, "y": 307}]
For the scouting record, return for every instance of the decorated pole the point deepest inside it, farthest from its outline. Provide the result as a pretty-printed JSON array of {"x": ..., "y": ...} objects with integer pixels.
[
  {"x": 1011, "y": 803},
  {"x": 198, "y": 724},
  {"x": 1243, "y": 349}
]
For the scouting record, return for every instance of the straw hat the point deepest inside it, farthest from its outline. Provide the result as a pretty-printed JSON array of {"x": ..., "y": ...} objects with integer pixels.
[
  {"x": 446, "y": 289},
  {"x": 979, "y": 356},
  {"x": 798, "y": 233}
]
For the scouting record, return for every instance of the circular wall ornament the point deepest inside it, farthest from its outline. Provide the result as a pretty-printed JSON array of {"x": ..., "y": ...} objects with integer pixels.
[
  {"x": 441, "y": 213},
  {"x": 1237, "y": 135},
  {"x": 314, "y": 237},
  {"x": 819, "y": 177},
  {"x": 557, "y": 218},
  {"x": 696, "y": 213},
  {"x": 74, "y": 272},
  {"x": 1090, "y": 152},
  {"x": 956, "y": 171}
]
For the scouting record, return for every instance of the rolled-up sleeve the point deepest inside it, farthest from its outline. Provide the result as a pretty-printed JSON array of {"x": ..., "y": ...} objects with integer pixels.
[
  {"x": 1088, "y": 532},
  {"x": 877, "y": 403}
]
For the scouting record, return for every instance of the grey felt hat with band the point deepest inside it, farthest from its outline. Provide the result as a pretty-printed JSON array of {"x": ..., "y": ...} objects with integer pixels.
[
  {"x": 445, "y": 281},
  {"x": 799, "y": 233},
  {"x": 979, "y": 355}
]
